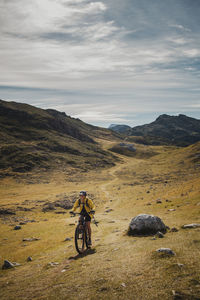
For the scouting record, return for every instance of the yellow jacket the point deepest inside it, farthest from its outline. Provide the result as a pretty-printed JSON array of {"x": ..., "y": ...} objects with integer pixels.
[{"x": 89, "y": 205}]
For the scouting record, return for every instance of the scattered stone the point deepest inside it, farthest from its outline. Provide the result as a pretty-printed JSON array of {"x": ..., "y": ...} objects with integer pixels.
[
  {"x": 109, "y": 210},
  {"x": 29, "y": 258},
  {"x": 53, "y": 264},
  {"x": 17, "y": 227},
  {"x": 103, "y": 289},
  {"x": 174, "y": 229},
  {"x": 159, "y": 235},
  {"x": 23, "y": 208},
  {"x": 66, "y": 203},
  {"x": 6, "y": 211},
  {"x": 68, "y": 239},
  {"x": 48, "y": 207},
  {"x": 188, "y": 226},
  {"x": 71, "y": 224},
  {"x": 166, "y": 251},
  {"x": 30, "y": 239},
  {"x": 182, "y": 296},
  {"x": 60, "y": 212},
  {"x": 148, "y": 192},
  {"x": 130, "y": 147},
  {"x": 148, "y": 203},
  {"x": 15, "y": 264},
  {"x": 111, "y": 221},
  {"x": 123, "y": 284},
  {"x": 7, "y": 265},
  {"x": 22, "y": 223},
  {"x": 171, "y": 209},
  {"x": 145, "y": 225},
  {"x": 158, "y": 201}
]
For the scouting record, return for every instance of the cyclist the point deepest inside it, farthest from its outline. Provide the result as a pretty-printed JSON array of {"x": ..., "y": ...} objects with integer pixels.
[{"x": 87, "y": 209}]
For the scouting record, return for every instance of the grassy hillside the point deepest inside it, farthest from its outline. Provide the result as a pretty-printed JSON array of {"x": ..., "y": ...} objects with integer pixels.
[
  {"x": 118, "y": 266},
  {"x": 38, "y": 139}
]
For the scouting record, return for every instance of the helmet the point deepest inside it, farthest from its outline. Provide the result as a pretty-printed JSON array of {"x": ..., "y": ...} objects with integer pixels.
[{"x": 83, "y": 193}]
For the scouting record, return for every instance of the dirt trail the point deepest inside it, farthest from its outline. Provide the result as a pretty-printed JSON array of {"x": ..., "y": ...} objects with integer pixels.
[
  {"x": 104, "y": 186},
  {"x": 109, "y": 222}
]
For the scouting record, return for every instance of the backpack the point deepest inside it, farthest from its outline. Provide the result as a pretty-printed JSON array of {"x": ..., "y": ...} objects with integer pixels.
[{"x": 79, "y": 203}]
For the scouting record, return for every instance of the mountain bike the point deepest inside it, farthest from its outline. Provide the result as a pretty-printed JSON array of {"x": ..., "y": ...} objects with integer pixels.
[{"x": 81, "y": 234}]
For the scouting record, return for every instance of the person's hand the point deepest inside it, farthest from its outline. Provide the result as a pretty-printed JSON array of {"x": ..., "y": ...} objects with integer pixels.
[
  {"x": 92, "y": 212},
  {"x": 71, "y": 212}
]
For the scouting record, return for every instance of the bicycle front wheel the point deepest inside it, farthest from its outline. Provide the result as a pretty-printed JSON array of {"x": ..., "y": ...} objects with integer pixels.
[{"x": 79, "y": 239}]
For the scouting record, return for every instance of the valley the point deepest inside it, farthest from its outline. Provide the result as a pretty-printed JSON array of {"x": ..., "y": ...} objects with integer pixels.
[{"x": 118, "y": 266}]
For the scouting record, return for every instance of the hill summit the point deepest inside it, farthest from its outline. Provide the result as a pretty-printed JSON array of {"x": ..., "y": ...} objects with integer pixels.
[
  {"x": 175, "y": 130},
  {"x": 178, "y": 130}
]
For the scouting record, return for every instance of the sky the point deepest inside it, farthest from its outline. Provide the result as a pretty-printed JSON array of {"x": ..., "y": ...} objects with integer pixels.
[{"x": 105, "y": 61}]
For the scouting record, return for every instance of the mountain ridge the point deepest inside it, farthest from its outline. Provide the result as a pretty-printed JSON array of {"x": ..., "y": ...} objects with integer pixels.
[
  {"x": 178, "y": 130},
  {"x": 32, "y": 138}
]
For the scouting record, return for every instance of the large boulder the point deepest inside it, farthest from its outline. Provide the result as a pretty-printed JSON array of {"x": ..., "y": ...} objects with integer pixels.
[{"x": 146, "y": 225}]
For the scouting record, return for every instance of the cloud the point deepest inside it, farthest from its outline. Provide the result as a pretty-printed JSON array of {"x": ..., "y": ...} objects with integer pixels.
[
  {"x": 192, "y": 53},
  {"x": 180, "y": 27},
  {"x": 126, "y": 53}
]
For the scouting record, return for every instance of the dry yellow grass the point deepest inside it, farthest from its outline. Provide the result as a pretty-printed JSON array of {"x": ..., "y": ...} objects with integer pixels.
[{"x": 119, "y": 267}]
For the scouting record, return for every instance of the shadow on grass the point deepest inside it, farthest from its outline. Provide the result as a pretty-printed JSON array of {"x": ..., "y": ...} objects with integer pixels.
[{"x": 85, "y": 253}]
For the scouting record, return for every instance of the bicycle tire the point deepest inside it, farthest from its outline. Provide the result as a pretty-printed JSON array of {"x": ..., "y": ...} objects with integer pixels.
[{"x": 77, "y": 233}]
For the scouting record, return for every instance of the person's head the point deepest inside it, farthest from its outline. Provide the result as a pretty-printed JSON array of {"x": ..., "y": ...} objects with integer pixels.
[{"x": 82, "y": 195}]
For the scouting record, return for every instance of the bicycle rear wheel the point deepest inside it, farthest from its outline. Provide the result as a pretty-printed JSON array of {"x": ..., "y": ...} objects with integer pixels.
[{"x": 79, "y": 239}]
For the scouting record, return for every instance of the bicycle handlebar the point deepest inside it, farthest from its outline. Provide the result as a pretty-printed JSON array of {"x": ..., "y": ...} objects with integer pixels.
[{"x": 75, "y": 213}]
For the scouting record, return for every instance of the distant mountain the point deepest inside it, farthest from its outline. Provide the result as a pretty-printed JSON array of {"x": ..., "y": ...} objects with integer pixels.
[
  {"x": 170, "y": 130},
  {"x": 34, "y": 138},
  {"x": 124, "y": 129}
]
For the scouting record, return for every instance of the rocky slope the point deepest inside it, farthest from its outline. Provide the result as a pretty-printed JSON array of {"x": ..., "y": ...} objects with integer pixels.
[{"x": 169, "y": 130}]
